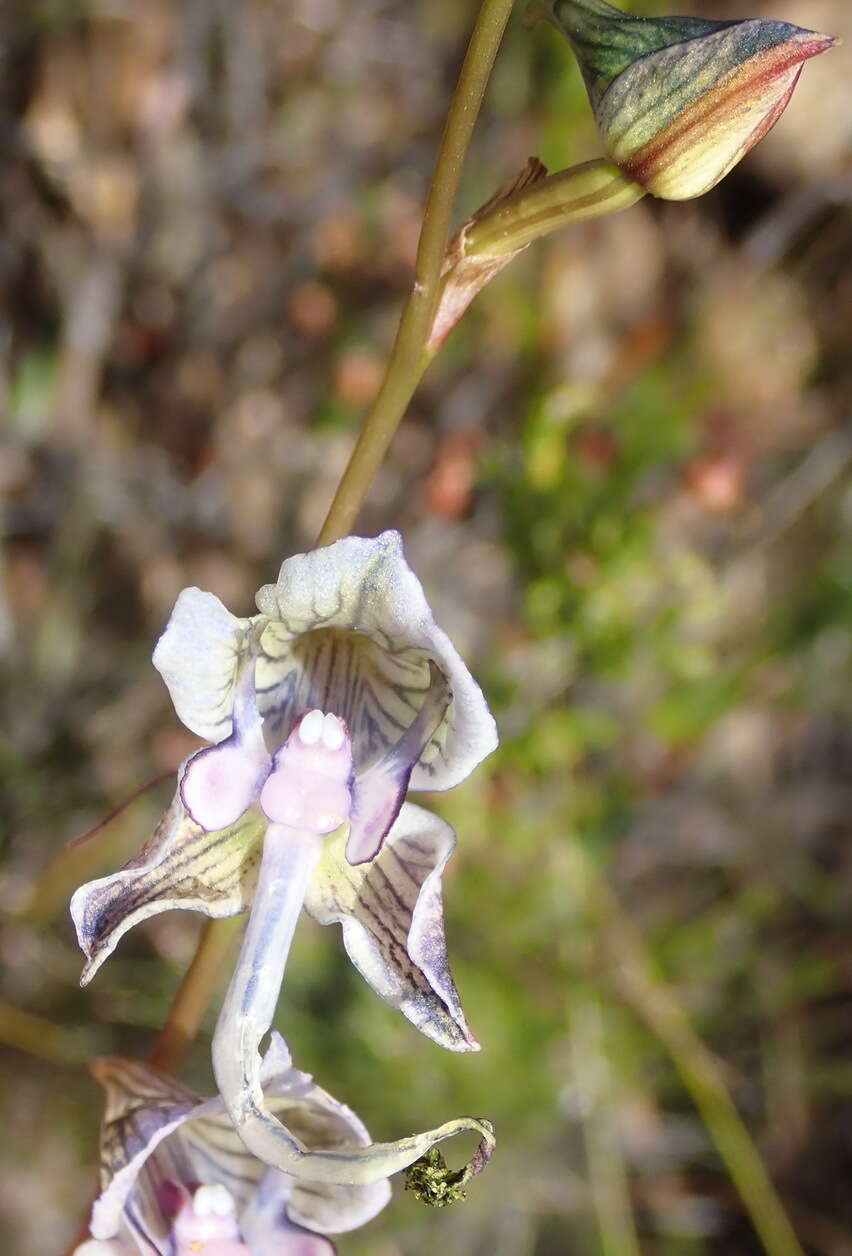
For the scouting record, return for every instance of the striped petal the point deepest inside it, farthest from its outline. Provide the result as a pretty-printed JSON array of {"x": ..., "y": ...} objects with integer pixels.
[
  {"x": 183, "y": 865},
  {"x": 378, "y": 791},
  {"x": 391, "y": 911},
  {"x": 157, "y": 1131},
  {"x": 319, "y": 1121},
  {"x": 350, "y": 631},
  {"x": 143, "y": 1107}
]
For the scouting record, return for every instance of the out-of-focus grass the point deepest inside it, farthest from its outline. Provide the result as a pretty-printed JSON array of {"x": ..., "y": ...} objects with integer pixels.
[{"x": 607, "y": 484}]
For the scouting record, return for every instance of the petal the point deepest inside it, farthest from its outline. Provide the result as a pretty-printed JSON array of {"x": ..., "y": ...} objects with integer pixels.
[
  {"x": 270, "y": 1231},
  {"x": 143, "y": 1106},
  {"x": 197, "y": 657},
  {"x": 219, "y": 784},
  {"x": 144, "y": 1109},
  {"x": 391, "y": 911},
  {"x": 318, "y": 1120},
  {"x": 378, "y": 792},
  {"x": 156, "y": 1130},
  {"x": 285, "y": 1238},
  {"x": 351, "y": 632},
  {"x": 181, "y": 866}
]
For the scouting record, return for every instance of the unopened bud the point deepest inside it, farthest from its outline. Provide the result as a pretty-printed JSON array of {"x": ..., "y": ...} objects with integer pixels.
[{"x": 679, "y": 101}]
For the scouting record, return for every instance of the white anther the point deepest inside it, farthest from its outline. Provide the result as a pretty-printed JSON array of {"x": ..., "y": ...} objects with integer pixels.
[
  {"x": 333, "y": 735},
  {"x": 213, "y": 1201},
  {"x": 311, "y": 727}
]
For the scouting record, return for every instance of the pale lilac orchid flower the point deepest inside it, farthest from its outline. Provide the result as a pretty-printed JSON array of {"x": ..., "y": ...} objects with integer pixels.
[
  {"x": 323, "y": 709},
  {"x": 177, "y": 1180}
]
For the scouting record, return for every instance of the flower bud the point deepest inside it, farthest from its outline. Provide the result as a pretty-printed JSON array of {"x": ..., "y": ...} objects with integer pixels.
[{"x": 679, "y": 101}]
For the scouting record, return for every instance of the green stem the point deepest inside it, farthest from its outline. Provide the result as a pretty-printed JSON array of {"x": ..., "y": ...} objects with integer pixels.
[
  {"x": 592, "y": 1069},
  {"x": 589, "y": 190},
  {"x": 210, "y": 965},
  {"x": 604, "y": 1157},
  {"x": 654, "y": 1003},
  {"x": 408, "y": 360},
  {"x": 39, "y": 1037},
  {"x": 409, "y": 356}
]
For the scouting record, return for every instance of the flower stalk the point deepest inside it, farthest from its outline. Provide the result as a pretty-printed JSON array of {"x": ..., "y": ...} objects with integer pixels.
[
  {"x": 211, "y": 959},
  {"x": 409, "y": 356},
  {"x": 586, "y": 191},
  {"x": 408, "y": 361},
  {"x": 533, "y": 205},
  {"x": 631, "y": 970}
]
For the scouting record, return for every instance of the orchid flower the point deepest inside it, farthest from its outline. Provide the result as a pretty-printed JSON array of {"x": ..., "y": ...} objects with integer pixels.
[
  {"x": 322, "y": 710},
  {"x": 177, "y": 1180}
]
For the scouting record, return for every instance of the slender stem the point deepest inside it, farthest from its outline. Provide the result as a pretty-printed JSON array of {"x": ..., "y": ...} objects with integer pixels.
[
  {"x": 655, "y": 1004},
  {"x": 592, "y": 1068},
  {"x": 409, "y": 357},
  {"x": 604, "y": 1155},
  {"x": 40, "y": 1037},
  {"x": 408, "y": 360},
  {"x": 589, "y": 190},
  {"x": 208, "y": 966}
]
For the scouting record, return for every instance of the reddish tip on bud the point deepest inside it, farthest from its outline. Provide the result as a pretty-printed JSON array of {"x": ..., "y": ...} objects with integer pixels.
[{"x": 679, "y": 101}]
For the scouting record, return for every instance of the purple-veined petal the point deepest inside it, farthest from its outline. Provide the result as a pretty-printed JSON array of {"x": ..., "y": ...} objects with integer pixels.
[
  {"x": 350, "y": 631},
  {"x": 318, "y": 1121},
  {"x": 197, "y": 656},
  {"x": 391, "y": 912},
  {"x": 181, "y": 866},
  {"x": 379, "y": 790},
  {"x": 158, "y": 1134},
  {"x": 143, "y": 1107}
]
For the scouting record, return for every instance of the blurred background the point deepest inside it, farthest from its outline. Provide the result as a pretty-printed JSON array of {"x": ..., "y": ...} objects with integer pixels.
[{"x": 624, "y": 484}]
